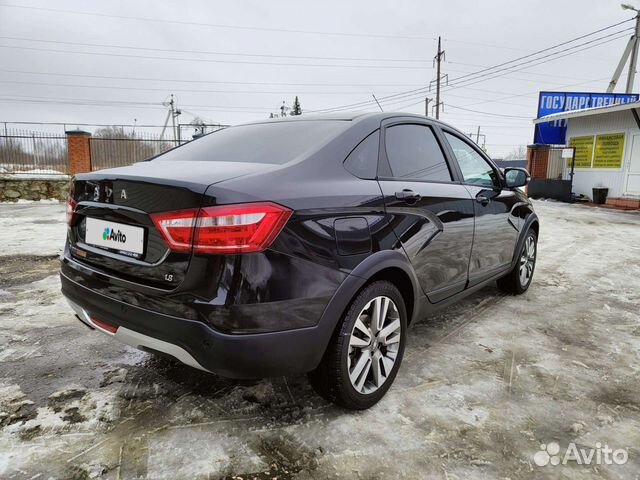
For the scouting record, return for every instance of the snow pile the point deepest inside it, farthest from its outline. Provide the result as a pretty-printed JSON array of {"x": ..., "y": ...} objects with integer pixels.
[
  {"x": 45, "y": 201},
  {"x": 35, "y": 174}
]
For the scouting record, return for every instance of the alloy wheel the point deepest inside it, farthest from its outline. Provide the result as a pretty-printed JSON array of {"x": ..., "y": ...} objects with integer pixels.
[
  {"x": 374, "y": 345},
  {"x": 527, "y": 261}
]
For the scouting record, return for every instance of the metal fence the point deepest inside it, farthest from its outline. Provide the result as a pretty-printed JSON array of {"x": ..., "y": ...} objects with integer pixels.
[
  {"x": 110, "y": 152},
  {"x": 41, "y": 152},
  {"x": 557, "y": 181},
  {"x": 23, "y": 151}
]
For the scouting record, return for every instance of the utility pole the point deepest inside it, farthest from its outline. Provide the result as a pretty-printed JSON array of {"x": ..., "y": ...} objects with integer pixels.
[
  {"x": 438, "y": 60},
  {"x": 173, "y": 117},
  {"x": 634, "y": 56},
  {"x": 477, "y": 137},
  {"x": 427, "y": 100},
  {"x": 630, "y": 52},
  {"x": 173, "y": 113}
]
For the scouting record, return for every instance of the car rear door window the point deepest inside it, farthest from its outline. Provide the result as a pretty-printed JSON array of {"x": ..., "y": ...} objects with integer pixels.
[
  {"x": 475, "y": 169},
  {"x": 363, "y": 160},
  {"x": 414, "y": 153}
]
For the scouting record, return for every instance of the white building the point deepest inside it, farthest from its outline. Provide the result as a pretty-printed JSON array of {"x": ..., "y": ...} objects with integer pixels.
[{"x": 607, "y": 143}]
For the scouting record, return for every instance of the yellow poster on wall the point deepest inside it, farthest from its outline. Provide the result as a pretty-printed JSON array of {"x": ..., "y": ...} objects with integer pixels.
[
  {"x": 609, "y": 149},
  {"x": 584, "y": 150}
]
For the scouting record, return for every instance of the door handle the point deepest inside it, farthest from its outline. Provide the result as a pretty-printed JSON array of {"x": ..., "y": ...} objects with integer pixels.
[
  {"x": 481, "y": 199},
  {"x": 408, "y": 196}
]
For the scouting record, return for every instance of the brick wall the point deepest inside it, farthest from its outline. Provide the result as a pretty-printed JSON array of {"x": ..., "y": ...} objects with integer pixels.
[
  {"x": 538, "y": 160},
  {"x": 79, "y": 152}
]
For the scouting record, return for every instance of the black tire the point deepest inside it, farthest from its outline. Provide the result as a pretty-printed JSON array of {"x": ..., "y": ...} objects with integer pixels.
[
  {"x": 331, "y": 379},
  {"x": 512, "y": 282}
]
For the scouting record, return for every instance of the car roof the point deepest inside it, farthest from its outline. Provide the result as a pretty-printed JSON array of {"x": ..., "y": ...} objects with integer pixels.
[{"x": 346, "y": 116}]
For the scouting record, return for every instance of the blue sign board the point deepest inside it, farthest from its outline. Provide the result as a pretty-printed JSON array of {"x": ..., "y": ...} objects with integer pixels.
[{"x": 553, "y": 133}]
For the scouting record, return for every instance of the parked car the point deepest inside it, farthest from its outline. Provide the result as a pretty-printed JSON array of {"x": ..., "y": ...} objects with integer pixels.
[{"x": 305, "y": 244}]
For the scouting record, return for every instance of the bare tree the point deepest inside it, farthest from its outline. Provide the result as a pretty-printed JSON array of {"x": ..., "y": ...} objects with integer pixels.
[
  {"x": 22, "y": 151},
  {"x": 114, "y": 146},
  {"x": 518, "y": 153}
]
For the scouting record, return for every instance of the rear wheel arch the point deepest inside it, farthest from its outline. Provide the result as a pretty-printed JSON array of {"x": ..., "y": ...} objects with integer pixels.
[
  {"x": 395, "y": 267},
  {"x": 390, "y": 265},
  {"x": 402, "y": 282}
]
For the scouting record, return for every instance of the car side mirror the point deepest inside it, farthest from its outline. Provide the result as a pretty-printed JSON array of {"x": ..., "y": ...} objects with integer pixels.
[{"x": 516, "y": 177}]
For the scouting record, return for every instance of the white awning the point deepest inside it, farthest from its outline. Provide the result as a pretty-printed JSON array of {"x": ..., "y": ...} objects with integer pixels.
[{"x": 587, "y": 112}]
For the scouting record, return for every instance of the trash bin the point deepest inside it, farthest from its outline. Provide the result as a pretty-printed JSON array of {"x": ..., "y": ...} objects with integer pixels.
[{"x": 600, "y": 195}]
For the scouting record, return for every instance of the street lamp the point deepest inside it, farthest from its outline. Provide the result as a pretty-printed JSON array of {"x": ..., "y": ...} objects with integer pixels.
[{"x": 630, "y": 53}]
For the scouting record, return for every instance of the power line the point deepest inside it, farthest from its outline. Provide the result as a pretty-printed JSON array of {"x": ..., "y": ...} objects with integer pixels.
[
  {"x": 553, "y": 47},
  {"x": 137, "y": 125},
  {"x": 453, "y": 85},
  {"x": 488, "y": 113},
  {"x": 227, "y": 82},
  {"x": 536, "y": 64},
  {"x": 88, "y": 101},
  {"x": 210, "y": 60},
  {"x": 499, "y": 100},
  {"x": 183, "y": 90},
  {"x": 217, "y": 25},
  {"x": 477, "y": 74},
  {"x": 91, "y": 103},
  {"x": 491, "y": 75},
  {"x": 528, "y": 72},
  {"x": 110, "y": 87},
  {"x": 209, "y": 52},
  {"x": 118, "y": 102},
  {"x": 368, "y": 86}
]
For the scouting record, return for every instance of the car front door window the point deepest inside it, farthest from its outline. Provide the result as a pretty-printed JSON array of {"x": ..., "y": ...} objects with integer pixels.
[{"x": 475, "y": 169}]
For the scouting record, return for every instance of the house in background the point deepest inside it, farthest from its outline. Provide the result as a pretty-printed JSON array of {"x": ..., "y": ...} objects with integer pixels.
[{"x": 607, "y": 151}]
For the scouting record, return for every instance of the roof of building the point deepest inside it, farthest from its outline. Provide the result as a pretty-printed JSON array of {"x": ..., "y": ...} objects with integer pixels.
[
  {"x": 587, "y": 112},
  {"x": 511, "y": 163}
]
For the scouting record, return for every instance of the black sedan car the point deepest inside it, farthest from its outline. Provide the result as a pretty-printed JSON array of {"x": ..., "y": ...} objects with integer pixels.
[{"x": 305, "y": 244}]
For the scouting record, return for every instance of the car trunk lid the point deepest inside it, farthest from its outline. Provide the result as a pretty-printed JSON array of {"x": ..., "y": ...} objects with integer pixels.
[{"x": 113, "y": 232}]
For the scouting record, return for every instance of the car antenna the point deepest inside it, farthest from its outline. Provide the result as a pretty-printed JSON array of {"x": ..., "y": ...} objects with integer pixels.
[{"x": 379, "y": 106}]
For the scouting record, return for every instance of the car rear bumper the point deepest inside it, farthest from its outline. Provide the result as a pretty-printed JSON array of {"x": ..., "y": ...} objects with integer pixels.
[{"x": 195, "y": 343}]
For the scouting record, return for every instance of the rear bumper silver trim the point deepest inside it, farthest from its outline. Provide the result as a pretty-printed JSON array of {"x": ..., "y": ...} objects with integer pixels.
[{"x": 139, "y": 340}]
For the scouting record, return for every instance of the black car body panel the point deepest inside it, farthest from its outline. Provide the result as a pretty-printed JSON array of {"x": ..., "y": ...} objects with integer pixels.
[{"x": 273, "y": 312}]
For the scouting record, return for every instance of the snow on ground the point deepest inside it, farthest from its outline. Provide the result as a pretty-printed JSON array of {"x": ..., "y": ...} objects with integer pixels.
[
  {"x": 482, "y": 386},
  {"x": 22, "y": 201},
  {"x": 36, "y": 228}
]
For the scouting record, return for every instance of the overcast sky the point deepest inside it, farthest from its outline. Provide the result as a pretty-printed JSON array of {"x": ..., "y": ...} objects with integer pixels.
[{"x": 231, "y": 62}]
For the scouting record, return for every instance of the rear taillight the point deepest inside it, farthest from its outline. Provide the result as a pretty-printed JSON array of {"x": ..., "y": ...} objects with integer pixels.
[
  {"x": 242, "y": 228},
  {"x": 71, "y": 211}
]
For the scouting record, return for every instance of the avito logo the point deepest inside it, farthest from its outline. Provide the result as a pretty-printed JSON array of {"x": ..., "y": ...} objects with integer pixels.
[{"x": 111, "y": 234}]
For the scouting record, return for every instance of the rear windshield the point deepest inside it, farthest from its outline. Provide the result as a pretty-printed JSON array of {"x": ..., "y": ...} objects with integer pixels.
[{"x": 274, "y": 143}]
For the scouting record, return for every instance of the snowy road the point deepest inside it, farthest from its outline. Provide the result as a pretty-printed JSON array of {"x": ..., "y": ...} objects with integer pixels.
[{"x": 482, "y": 385}]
